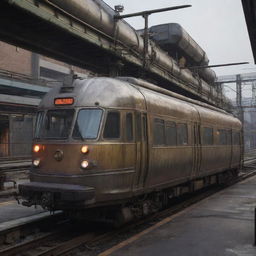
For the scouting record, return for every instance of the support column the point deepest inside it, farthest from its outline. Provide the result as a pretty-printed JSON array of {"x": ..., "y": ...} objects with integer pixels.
[
  {"x": 35, "y": 65},
  {"x": 240, "y": 109}
]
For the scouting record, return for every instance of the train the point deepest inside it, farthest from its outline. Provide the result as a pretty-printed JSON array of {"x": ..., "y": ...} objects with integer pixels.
[{"x": 120, "y": 148}]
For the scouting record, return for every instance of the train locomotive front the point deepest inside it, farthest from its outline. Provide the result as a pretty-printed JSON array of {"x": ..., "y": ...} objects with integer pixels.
[
  {"x": 104, "y": 143},
  {"x": 77, "y": 163}
]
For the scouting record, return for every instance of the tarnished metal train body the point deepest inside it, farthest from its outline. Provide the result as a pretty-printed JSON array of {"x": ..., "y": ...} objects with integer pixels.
[
  {"x": 99, "y": 15},
  {"x": 147, "y": 152}
]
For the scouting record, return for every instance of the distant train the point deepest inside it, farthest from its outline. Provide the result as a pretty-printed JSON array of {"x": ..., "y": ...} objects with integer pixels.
[{"x": 124, "y": 145}]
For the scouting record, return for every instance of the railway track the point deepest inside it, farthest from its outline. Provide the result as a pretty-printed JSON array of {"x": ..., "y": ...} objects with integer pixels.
[{"x": 65, "y": 237}]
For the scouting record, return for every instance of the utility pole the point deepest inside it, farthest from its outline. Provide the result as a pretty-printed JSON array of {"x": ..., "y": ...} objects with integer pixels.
[
  {"x": 145, "y": 15},
  {"x": 240, "y": 109}
]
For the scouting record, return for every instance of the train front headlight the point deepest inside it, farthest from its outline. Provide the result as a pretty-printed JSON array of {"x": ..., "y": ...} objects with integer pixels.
[
  {"x": 84, "y": 149},
  {"x": 84, "y": 164},
  {"x": 36, "y": 162},
  {"x": 36, "y": 148}
]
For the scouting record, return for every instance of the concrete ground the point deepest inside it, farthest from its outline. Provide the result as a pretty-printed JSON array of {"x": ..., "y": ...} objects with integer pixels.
[
  {"x": 10, "y": 189},
  {"x": 222, "y": 225},
  {"x": 10, "y": 209}
]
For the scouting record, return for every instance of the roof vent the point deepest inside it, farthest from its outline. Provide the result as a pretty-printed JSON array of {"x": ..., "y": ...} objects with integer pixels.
[{"x": 68, "y": 83}]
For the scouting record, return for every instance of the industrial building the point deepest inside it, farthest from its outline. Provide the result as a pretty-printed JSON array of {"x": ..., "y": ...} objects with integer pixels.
[{"x": 25, "y": 77}]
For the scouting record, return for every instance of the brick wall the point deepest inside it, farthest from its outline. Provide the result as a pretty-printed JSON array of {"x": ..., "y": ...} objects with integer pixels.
[{"x": 15, "y": 59}]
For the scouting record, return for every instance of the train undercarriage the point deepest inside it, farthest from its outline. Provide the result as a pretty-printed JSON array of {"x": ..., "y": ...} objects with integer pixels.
[{"x": 119, "y": 213}]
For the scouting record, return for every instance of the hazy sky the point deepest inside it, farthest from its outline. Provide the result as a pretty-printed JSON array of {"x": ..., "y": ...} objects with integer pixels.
[{"x": 217, "y": 25}]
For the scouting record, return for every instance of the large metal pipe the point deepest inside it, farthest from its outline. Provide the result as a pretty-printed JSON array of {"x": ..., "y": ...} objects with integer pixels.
[
  {"x": 173, "y": 38},
  {"x": 173, "y": 35},
  {"x": 99, "y": 15}
]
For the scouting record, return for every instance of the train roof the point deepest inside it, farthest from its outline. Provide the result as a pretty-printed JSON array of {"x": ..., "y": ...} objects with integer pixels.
[
  {"x": 100, "y": 91},
  {"x": 130, "y": 93}
]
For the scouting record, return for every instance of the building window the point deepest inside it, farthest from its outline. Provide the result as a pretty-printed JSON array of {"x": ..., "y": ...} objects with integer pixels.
[
  {"x": 129, "y": 127},
  {"x": 207, "y": 136},
  {"x": 171, "y": 134},
  {"x": 52, "y": 74},
  {"x": 159, "y": 132},
  {"x": 182, "y": 132},
  {"x": 112, "y": 126}
]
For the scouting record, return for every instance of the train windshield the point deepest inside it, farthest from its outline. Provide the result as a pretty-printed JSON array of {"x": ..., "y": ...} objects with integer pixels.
[
  {"x": 56, "y": 124},
  {"x": 87, "y": 124}
]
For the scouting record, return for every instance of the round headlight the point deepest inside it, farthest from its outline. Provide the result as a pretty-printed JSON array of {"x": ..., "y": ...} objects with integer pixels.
[
  {"x": 84, "y": 149},
  {"x": 36, "y": 162},
  {"x": 84, "y": 164},
  {"x": 36, "y": 148}
]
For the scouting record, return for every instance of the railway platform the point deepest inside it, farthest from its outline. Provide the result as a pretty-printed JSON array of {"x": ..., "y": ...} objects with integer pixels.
[
  {"x": 9, "y": 188},
  {"x": 10, "y": 210},
  {"x": 221, "y": 225}
]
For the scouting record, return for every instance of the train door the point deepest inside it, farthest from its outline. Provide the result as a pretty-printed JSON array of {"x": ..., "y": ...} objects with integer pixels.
[
  {"x": 197, "y": 150},
  {"x": 236, "y": 149},
  {"x": 142, "y": 150},
  {"x": 230, "y": 145}
]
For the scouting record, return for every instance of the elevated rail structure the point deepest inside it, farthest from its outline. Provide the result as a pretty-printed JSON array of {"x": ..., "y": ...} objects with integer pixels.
[
  {"x": 239, "y": 79},
  {"x": 88, "y": 34},
  {"x": 244, "y": 108}
]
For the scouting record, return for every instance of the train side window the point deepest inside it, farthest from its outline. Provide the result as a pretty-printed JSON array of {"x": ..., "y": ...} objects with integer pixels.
[
  {"x": 229, "y": 137},
  {"x": 129, "y": 127},
  {"x": 171, "y": 134},
  {"x": 236, "y": 138},
  {"x": 144, "y": 119},
  {"x": 223, "y": 138},
  {"x": 138, "y": 126},
  {"x": 112, "y": 126},
  {"x": 207, "y": 136},
  {"x": 182, "y": 132},
  {"x": 159, "y": 132}
]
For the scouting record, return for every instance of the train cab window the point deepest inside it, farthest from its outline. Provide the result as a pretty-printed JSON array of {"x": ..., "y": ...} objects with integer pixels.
[
  {"x": 223, "y": 137},
  {"x": 182, "y": 134},
  {"x": 236, "y": 138},
  {"x": 112, "y": 125},
  {"x": 38, "y": 125},
  {"x": 171, "y": 134},
  {"x": 207, "y": 136},
  {"x": 57, "y": 124},
  {"x": 87, "y": 124},
  {"x": 129, "y": 127},
  {"x": 159, "y": 132}
]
